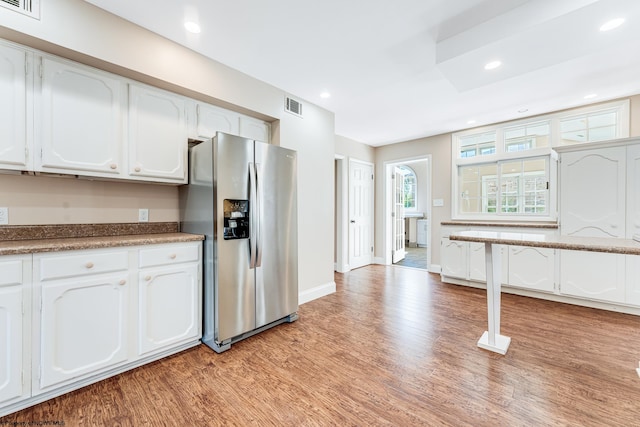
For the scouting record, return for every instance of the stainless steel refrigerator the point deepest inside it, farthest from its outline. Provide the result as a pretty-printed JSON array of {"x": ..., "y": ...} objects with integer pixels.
[{"x": 242, "y": 196}]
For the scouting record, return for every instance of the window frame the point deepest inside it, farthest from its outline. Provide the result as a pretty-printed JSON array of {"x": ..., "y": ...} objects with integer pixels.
[{"x": 622, "y": 107}]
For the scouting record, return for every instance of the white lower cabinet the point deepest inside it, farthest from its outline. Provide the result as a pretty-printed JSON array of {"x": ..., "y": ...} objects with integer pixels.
[
  {"x": 633, "y": 279},
  {"x": 478, "y": 263},
  {"x": 15, "y": 282},
  {"x": 453, "y": 258},
  {"x": 83, "y": 328},
  {"x": 532, "y": 268},
  {"x": 593, "y": 275},
  {"x": 83, "y": 317},
  {"x": 96, "y": 313},
  {"x": 169, "y": 297}
]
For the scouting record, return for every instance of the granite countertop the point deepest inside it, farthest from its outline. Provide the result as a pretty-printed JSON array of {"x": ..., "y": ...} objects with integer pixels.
[
  {"x": 593, "y": 244},
  {"x": 546, "y": 225},
  {"x": 16, "y": 240}
]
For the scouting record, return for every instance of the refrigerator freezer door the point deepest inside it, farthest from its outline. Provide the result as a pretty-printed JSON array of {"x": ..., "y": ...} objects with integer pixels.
[
  {"x": 277, "y": 240},
  {"x": 235, "y": 285}
]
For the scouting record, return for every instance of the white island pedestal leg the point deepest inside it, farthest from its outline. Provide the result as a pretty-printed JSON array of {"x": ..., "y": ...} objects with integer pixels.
[{"x": 492, "y": 340}]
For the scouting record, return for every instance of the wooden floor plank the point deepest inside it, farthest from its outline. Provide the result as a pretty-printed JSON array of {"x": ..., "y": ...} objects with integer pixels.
[{"x": 393, "y": 346}]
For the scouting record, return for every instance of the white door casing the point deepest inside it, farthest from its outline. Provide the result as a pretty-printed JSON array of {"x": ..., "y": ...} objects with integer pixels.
[{"x": 360, "y": 213}]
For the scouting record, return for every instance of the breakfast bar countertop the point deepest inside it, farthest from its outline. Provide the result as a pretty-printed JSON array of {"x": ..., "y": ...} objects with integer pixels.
[{"x": 594, "y": 244}]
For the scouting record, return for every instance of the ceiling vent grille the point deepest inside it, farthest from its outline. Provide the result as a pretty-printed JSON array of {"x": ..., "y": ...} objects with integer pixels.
[
  {"x": 293, "y": 106},
  {"x": 27, "y": 7}
]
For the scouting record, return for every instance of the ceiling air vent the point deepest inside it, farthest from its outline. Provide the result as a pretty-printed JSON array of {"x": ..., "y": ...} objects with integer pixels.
[
  {"x": 27, "y": 7},
  {"x": 293, "y": 106}
]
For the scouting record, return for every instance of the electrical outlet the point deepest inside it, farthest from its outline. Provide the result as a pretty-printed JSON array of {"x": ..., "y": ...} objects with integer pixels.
[
  {"x": 143, "y": 215},
  {"x": 4, "y": 215}
]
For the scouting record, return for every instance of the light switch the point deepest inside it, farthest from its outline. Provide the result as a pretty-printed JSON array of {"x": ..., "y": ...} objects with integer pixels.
[{"x": 438, "y": 202}]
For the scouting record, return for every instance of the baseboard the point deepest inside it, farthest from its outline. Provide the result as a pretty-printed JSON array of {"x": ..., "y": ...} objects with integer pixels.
[
  {"x": 341, "y": 269},
  {"x": 435, "y": 268},
  {"x": 317, "y": 292}
]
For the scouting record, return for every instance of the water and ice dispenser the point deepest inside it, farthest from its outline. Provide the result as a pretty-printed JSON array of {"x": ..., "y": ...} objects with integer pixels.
[{"x": 236, "y": 219}]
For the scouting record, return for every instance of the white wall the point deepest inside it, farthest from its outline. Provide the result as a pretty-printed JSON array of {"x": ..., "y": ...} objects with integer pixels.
[{"x": 84, "y": 33}]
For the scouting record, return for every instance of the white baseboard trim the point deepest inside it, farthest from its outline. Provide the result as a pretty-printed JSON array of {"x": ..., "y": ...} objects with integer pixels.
[
  {"x": 435, "y": 268},
  {"x": 317, "y": 292},
  {"x": 341, "y": 269}
]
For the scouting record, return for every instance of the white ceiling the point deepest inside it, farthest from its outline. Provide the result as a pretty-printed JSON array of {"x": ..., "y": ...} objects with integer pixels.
[{"x": 405, "y": 69}]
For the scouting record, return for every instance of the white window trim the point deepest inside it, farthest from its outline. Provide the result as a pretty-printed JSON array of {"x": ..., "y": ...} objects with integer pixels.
[{"x": 622, "y": 131}]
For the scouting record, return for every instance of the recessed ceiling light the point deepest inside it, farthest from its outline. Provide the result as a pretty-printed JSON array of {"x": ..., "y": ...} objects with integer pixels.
[
  {"x": 590, "y": 96},
  {"x": 610, "y": 25},
  {"x": 192, "y": 27},
  {"x": 470, "y": 122},
  {"x": 492, "y": 65},
  {"x": 325, "y": 95}
]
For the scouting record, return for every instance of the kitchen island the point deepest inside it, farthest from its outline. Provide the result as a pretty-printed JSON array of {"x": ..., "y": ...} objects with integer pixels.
[{"x": 491, "y": 339}]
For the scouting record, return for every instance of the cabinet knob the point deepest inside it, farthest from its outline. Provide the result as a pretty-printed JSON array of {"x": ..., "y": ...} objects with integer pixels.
[
  {"x": 122, "y": 282},
  {"x": 173, "y": 256},
  {"x": 137, "y": 169},
  {"x": 147, "y": 278},
  {"x": 89, "y": 264},
  {"x": 113, "y": 166}
]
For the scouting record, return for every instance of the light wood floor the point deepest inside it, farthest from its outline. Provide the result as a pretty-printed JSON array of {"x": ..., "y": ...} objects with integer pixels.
[{"x": 393, "y": 346}]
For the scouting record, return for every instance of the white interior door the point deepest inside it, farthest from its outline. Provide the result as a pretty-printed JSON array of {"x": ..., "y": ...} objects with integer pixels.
[
  {"x": 398, "y": 215},
  {"x": 360, "y": 213}
]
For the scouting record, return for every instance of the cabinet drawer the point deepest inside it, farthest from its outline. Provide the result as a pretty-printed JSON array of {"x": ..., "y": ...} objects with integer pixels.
[
  {"x": 11, "y": 272},
  {"x": 166, "y": 255},
  {"x": 60, "y": 266}
]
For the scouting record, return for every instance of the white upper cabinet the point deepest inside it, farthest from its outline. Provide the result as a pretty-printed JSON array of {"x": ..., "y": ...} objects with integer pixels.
[
  {"x": 211, "y": 119},
  {"x": 79, "y": 120},
  {"x": 15, "y": 77},
  {"x": 157, "y": 135},
  {"x": 592, "y": 192},
  {"x": 254, "y": 129}
]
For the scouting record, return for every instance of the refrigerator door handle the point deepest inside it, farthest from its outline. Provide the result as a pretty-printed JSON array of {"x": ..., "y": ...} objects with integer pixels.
[
  {"x": 259, "y": 216},
  {"x": 253, "y": 237}
]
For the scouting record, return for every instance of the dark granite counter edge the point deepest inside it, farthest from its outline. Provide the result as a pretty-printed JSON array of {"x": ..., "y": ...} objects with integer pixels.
[{"x": 19, "y": 247}]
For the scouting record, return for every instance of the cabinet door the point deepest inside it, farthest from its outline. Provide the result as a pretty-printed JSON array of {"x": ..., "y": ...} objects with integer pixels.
[
  {"x": 478, "y": 263},
  {"x": 79, "y": 120},
  {"x": 82, "y": 327},
  {"x": 13, "y": 108},
  {"x": 13, "y": 333},
  {"x": 255, "y": 129},
  {"x": 532, "y": 268},
  {"x": 169, "y": 311},
  {"x": 157, "y": 135},
  {"x": 633, "y": 279},
  {"x": 592, "y": 192},
  {"x": 593, "y": 275},
  {"x": 211, "y": 119},
  {"x": 633, "y": 191},
  {"x": 453, "y": 258},
  {"x": 10, "y": 342}
]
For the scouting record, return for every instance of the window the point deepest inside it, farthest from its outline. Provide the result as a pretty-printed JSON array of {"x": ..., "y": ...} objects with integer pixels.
[
  {"x": 597, "y": 126},
  {"x": 478, "y": 145},
  {"x": 505, "y": 187},
  {"x": 527, "y": 136},
  {"x": 409, "y": 187},
  {"x": 509, "y": 170}
]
